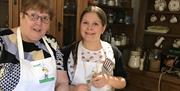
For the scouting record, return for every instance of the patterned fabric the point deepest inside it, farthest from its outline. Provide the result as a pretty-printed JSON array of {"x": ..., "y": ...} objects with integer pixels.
[
  {"x": 11, "y": 76},
  {"x": 94, "y": 56},
  {"x": 9, "y": 57},
  {"x": 88, "y": 56},
  {"x": 70, "y": 62}
]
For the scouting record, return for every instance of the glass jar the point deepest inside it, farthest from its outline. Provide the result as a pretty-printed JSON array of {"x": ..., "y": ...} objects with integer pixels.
[
  {"x": 154, "y": 60},
  {"x": 95, "y": 2},
  {"x": 134, "y": 61},
  {"x": 117, "y": 40},
  {"x": 123, "y": 39},
  {"x": 104, "y": 1},
  {"x": 111, "y": 2},
  {"x": 110, "y": 18}
]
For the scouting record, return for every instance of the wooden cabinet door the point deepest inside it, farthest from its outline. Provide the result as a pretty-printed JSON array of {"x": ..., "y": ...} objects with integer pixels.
[
  {"x": 9, "y": 14},
  {"x": 166, "y": 86},
  {"x": 82, "y": 4},
  {"x": 65, "y": 25},
  {"x": 14, "y": 10},
  {"x": 60, "y": 26}
]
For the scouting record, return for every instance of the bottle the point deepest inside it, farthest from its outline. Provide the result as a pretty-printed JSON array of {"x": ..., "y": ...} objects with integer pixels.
[
  {"x": 123, "y": 39},
  {"x": 141, "y": 64},
  {"x": 110, "y": 18},
  {"x": 117, "y": 40},
  {"x": 116, "y": 3},
  {"x": 109, "y": 34},
  {"x": 112, "y": 41},
  {"x": 105, "y": 36}
]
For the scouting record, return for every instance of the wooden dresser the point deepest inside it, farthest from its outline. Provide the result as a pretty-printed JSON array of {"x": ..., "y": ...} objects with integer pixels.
[{"x": 148, "y": 81}]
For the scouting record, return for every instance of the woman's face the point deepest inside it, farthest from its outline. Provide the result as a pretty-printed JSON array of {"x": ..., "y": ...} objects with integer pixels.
[
  {"x": 91, "y": 27},
  {"x": 34, "y": 25}
]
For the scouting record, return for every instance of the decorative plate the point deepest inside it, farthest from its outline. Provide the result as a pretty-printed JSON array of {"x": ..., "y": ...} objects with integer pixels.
[
  {"x": 174, "y": 5},
  {"x": 160, "y": 5}
]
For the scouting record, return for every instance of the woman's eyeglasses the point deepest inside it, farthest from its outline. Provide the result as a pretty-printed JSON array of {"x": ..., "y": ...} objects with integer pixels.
[{"x": 35, "y": 17}]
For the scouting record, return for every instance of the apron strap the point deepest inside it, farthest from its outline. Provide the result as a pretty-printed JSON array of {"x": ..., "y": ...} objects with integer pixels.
[
  {"x": 20, "y": 45},
  {"x": 48, "y": 47}
]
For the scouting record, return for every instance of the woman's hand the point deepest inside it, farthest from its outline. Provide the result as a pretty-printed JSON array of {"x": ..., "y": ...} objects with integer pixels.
[
  {"x": 100, "y": 81},
  {"x": 82, "y": 87}
]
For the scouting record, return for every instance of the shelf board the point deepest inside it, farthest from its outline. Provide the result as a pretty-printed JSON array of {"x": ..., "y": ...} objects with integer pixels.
[
  {"x": 113, "y": 7},
  {"x": 124, "y": 47},
  {"x": 163, "y": 34},
  {"x": 162, "y": 12},
  {"x": 121, "y": 25},
  {"x": 69, "y": 14},
  {"x": 122, "y": 3}
]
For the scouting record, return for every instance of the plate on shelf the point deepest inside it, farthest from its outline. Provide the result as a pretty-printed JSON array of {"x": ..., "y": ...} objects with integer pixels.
[
  {"x": 160, "y": 5},
  {"x": 157, "y": 29},
  {"x": 174, "y": 5}
]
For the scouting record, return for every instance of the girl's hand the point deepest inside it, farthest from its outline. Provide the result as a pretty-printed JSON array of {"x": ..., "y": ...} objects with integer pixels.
[
  {"x": 82, "y": 87},
  {"x": 100, "y": 81}
]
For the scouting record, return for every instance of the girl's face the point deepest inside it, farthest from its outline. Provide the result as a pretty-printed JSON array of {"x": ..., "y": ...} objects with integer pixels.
[
  {"x": 34, "y": 25},
  {"x": 91, "y": 27}
]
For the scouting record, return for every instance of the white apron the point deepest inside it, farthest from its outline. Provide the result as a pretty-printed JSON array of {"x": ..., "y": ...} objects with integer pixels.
[
  {"x": 84, "y": 69},
  {"x": 39, "y": 75}
]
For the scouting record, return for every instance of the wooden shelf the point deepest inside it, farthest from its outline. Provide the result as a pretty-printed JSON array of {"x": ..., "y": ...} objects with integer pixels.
[
  {"x": 147, "y": 39},
  {"x": 114, "y": 7},
  {"x": 124, "y": 12},
  {"x": 162, "y": 12},
  {"x": 124, "y": 47},
  {"x": 69, "y": 14},
  {"x": 122, "y": 4},
  {"x": 163, "y": 34},
  {"x": 121, "y": 25}
]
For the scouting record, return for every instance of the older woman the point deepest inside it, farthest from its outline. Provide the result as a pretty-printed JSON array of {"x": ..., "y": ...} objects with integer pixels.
[{"x": 30, "y": 60}]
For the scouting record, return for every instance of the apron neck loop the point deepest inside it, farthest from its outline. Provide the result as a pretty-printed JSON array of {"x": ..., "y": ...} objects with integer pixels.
[
  {"x": 19, "y": 44},
  {"x": 21, "y": 49}
]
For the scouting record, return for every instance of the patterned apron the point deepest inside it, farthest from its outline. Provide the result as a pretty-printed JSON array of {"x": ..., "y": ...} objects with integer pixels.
[{"x": 84, "y": 70}]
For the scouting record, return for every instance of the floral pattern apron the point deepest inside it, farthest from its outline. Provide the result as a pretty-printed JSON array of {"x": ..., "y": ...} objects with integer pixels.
[{"x": 84, "y": 70}]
